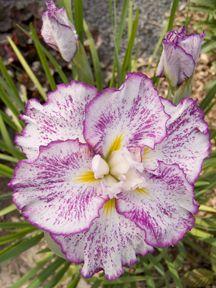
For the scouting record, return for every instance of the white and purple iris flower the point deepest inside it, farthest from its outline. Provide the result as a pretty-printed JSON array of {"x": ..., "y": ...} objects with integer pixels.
[
  {"x": 180, "y": 55},
  {"x": 58, "y": 32},
  {"x": 110, "y": 175}
]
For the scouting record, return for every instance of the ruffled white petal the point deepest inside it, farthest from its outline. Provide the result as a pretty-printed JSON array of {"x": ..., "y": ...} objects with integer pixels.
[{"x": 61, "y": 118}]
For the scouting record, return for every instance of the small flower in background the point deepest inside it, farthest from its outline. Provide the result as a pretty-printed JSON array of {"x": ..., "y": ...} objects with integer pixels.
[
  {"x": 110, "y": 175},
  {"x": 58, "y": 32},
  {"x": 180, "y": 55}
]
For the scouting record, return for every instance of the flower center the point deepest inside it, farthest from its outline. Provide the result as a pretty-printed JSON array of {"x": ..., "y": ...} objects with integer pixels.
[{"x": 119, "y": 173}]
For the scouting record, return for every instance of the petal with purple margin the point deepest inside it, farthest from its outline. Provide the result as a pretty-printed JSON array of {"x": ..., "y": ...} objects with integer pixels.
[
  {"x": 192, "y": 44},
  {"x": 133, "y": 114},
  {"x": 58, "y": 32},
  {"x": 178, "y": 65},
  {"x": 55, "y": 191},
  {"x": 111, "y": 243},
  {"x": 61, "y": 118},
  {"x": 187, "y": 143},
  {"x": 164, "y": 208}
]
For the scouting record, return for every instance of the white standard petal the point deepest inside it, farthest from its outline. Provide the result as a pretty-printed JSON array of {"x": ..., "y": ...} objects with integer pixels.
[{"x": 132, "y": 116}]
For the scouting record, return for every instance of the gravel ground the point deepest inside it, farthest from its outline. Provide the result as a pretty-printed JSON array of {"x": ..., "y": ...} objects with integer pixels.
[{"x": 152, "y": 14}]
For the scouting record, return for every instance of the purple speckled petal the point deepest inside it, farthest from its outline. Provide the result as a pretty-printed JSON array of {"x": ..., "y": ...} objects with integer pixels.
[
  {"x": 61, "y": 118},
  {"x": 178, "y": 65},
  {"x": 187, "y": 143},
  {"x": 111, "y": 243},
  {"x": 133, "y": 112},
  {"x": 192, "y": 44},
  {"x": 164, "y": 208},
  {"x": 58, "y": 32},
  {"x": 48, "y": 193}
]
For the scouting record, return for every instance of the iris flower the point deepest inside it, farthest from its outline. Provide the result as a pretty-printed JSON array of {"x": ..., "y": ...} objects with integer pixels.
[
  {"x": 180, "y": 55},
  {"x": 110, "y": 175},
  {"x": 58, "y": 31}
]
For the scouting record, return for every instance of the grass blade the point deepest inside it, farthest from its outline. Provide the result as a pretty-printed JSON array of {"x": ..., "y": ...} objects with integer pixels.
[
  {"x": 127, "y": 59},
  {"x": 78, "y": 18},
  {"x": 31, "y": 273},
  {"x": 7, "y": 210},
  {"x": 42, "y": 58},
  {"x": 16, "y": 249},
  {"x": 5, "y": 171},
  {"x": 11, "y": 84},
  {"x": 173, "y": 10},
  {"x": 46, "y": 273},
  {"x": 27, "y": 68},
  {"x": 95, "y": 58}
]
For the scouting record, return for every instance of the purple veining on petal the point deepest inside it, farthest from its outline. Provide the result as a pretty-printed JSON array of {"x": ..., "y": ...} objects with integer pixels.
[
  {"x": 60, "y": 118},
  {"x": 165, "y": 211},
  {"x": 46, "y": 194},
  {"x": 111, "y": 243},
  {"x": 180, "y": 54},
  {"x": 134, "y": 111},
  {"x": 187, "y": 142},
  {"x": 58, "y": 31}
]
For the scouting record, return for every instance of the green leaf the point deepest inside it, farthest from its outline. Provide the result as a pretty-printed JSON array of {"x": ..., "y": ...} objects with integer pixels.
[
  {"x": 75, "y": 281},
  {"x": 55, "y": 65},
  {"x": 42, "y": 58},
  {"x": 16, "y": 249},
  {"x": 200, "y": 277},
  {"x": 173, "y": 10},
  {"x": 68, "y": 7},
  {"x": 6, "y": 157},
  {"x": 206, "y": 208},
  {"x": 15, "y": 235},
  {"x": 6, "y": 171},
  {"x": 95, "y": 58},
  {"x": 200, "y": 234},
  {"x": 14, "y": 123},
  {"x": 5, "y": 134},
  {"x": 213, "y": 258},
  {"x": 7, "y": 210},
  {"x": 27, "y": 68},
  {"x": 206, "y": 103},
  {"x": 78, "y": 18},
  {"x": 31, "y": 273},
  {"x": 14, "y": 225},
  {"x": 46, "y": 273},
  {"x": 57, "y": 277},
  {"x": 11, "y": 85},
  {"x": 127, "y": 59},
  {"x": 174, "y": 273},
  {"x": 80, "y": 61}
]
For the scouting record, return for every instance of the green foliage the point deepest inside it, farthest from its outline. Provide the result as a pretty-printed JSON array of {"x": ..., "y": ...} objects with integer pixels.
[{"x": 166, "y": 267}]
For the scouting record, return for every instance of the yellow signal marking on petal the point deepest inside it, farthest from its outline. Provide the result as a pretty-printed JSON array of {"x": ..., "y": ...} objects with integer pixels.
[
  {"x": 146, "y": 150},
  {"x": 141, "y": 190},
  {"x": 116, "y": 144},
  {"x": 109, "y": 206},
  {"x": 85, "y": 177}
]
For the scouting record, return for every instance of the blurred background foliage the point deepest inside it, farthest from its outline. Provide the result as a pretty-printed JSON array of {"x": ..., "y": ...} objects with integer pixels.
[{"x": 192, "y": 263}]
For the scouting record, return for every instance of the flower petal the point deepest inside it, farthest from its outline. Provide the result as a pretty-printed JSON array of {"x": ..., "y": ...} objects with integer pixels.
[
  {"x": 163, "y": 208},
  {"x": 192, "y": 44},
  {"x": 131, "y": 116},
  {"x": 61, "y": 118},
  {"x": 111, "y": 242},
  {"x": 58, "y": 32},
  {"x": 58, "y": 192},
  {"x": 187, "y": 143},
  {"x": 178, "y": 65}
]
